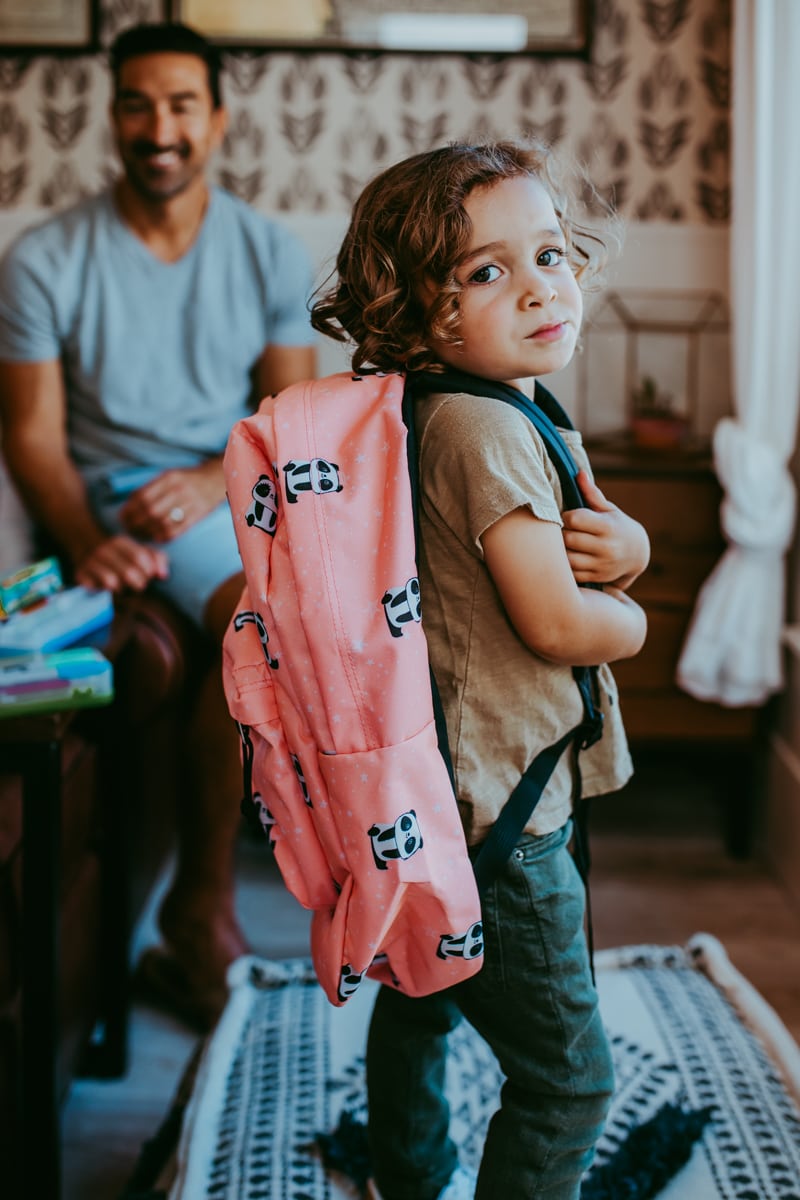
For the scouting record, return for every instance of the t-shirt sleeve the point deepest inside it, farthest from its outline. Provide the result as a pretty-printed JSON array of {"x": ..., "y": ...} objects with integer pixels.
[
  {"x": 28, "y": 327},
  {"x": 290, "y": 285},
  {"x": 479, "y": 460}
]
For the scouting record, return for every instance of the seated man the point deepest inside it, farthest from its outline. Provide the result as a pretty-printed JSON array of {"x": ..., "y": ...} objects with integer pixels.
[{"x": 135, "y": 329}]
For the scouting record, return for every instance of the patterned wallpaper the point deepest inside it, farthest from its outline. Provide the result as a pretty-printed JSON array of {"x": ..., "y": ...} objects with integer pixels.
[{"x": 649, "y": 115}]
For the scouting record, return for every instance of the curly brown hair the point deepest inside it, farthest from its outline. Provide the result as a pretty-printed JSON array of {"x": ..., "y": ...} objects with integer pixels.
[{"x": 409, "y": 229}]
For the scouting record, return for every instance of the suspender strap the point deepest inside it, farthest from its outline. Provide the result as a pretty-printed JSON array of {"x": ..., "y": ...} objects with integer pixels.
[{"x": 517, "y": 810}]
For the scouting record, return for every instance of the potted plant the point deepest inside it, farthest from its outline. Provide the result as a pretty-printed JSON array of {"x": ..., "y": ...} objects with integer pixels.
[{"x": 653, "y": 422}]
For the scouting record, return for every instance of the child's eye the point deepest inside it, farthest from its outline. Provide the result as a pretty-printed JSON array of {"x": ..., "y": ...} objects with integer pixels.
[
  {"x": 486, "y": 274},
  {"x": 550, "y": 257}
]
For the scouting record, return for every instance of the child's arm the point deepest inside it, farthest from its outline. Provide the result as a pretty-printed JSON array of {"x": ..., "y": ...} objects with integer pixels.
[
  {"x": 604, "y": 544},
  {"x": 555, "y": 618}
]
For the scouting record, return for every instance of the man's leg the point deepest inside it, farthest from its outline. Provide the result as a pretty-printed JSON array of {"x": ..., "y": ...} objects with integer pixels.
[{"x": 198, "y": 916}]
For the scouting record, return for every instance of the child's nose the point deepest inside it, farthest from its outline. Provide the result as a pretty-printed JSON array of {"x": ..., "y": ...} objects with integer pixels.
[{"x": 537, "y": 290}]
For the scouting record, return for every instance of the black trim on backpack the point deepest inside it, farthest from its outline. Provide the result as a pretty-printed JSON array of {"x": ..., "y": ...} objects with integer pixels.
[
  {"x": 546, "y": 414},
  {"x": 412, "y": 454}
]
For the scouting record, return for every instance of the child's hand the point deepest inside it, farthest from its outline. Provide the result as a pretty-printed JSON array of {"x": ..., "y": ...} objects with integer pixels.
[{"x": 603, "y": 544}]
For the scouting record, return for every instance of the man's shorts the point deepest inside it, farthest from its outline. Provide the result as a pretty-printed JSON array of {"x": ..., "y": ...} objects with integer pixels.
[{"x": 200, "y": 560}]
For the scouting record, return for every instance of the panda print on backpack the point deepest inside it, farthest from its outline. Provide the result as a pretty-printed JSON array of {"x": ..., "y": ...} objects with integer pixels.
[
  {"x": 467, "y": 945},
  {"x": 334, "y": 582},
  {"x": 402, "y": 606},
  {"x": 263, "y": 510},
  {"x": 349, "y": 982},
  {"x": 315, "y": 475},
  {"x": 301, "y": 779},
  {"x": 398, "y": 840},
  {"x": 248, "y": 617},
  {"x": 265, "y": 817}
]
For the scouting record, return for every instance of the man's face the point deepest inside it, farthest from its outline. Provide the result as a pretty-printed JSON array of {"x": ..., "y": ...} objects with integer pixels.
[{"x": 165, "y": 123}]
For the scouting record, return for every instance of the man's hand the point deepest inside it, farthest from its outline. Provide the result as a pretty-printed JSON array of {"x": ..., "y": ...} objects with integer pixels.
[
  {"x": 603, "y": 544},
  {"x": 119, "y": 563},
  {"x": 171, "y": 503}
]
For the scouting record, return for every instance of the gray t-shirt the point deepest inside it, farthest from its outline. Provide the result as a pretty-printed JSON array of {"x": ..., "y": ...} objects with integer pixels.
[{"x": 158, "y": 357}]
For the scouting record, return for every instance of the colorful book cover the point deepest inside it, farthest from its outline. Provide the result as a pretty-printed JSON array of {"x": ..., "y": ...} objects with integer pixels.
[
  {"x": 80, "y": 678},
  {"x": 58, "y": 620},
  {"x": 28, "y": 585}
]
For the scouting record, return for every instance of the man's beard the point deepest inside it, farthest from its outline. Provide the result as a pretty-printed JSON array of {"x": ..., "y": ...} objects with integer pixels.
[{"x": 153, "y": 184}]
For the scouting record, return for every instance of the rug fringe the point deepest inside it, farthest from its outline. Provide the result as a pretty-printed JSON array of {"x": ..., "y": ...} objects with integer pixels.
[
  {"x": 346, "y": 1149},
  {"x": 649, "y": 1157}
]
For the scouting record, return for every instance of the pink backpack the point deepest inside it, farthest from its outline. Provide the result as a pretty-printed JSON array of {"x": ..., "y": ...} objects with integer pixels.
[{"x": 326, "y": 673}]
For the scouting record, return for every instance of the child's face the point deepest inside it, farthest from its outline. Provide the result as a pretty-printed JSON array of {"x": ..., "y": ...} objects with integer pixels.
[{"x": 520, "y": 308}]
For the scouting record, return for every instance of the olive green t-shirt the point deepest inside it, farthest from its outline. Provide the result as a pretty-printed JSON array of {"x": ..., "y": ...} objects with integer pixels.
[{"x": 479, "y": 460}]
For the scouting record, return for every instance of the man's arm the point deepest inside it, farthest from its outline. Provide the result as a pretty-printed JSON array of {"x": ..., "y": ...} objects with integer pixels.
[
  {"x": 554, "y": 617},
  {"x": 34, "y": 441},
  {"x": 196, "y": 491},
  {"x": 281, "y": 365}
]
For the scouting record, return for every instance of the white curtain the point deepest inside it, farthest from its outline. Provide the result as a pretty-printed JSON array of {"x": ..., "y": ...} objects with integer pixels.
[{"x": 732, "y": 652}]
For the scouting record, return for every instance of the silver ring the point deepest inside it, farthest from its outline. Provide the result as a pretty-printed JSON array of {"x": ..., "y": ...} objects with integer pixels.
[{"x": 176, "y": 514}]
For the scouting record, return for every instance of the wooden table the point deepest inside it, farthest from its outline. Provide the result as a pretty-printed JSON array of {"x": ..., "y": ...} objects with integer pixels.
[{"x": 32, "y": 745}]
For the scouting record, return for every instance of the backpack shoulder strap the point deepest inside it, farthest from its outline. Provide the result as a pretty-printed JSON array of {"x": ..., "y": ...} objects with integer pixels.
[{"x": 544, "y": 413}]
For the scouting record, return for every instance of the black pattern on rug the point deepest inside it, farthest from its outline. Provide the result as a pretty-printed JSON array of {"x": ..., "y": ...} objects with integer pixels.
[
  {"x": 643, "y": 1086},
  {"x": 275, "y": 1098},
  {"x": 754, "y": 1153},
  {"x": 295, "y": 1065}
]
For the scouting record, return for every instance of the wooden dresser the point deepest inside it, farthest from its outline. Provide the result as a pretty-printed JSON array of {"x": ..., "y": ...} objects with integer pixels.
[{"x": 676, "y": 496}]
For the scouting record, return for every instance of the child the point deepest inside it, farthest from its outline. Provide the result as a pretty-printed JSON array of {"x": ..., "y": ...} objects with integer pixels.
[{"x": 466, "y": 256}]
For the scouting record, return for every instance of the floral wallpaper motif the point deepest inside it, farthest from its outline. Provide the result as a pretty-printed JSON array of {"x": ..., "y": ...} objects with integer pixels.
[{"x": 649, "y": 115}]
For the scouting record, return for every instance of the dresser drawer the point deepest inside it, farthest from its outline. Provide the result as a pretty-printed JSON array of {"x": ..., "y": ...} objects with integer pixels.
[
  {"x": 681, "y": 516},
  {"x": 658, "y": 718},
  {"x": 674, "y": 577},
  {"x": 677, "y": 498},
  {"x": 677, "y": 513},
  {"x": 653, "y": 668}
]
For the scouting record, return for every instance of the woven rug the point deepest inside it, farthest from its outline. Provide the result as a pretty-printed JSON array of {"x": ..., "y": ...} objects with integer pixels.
[{"x": 686, "y": 1028}]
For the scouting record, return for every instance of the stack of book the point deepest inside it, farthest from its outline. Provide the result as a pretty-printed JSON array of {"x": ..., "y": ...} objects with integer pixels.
[{"x": 40, "y": 620}]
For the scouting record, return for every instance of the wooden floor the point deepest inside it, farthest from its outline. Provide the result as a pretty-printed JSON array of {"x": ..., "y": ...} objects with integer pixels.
[{"x": 660, "y": 873}]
